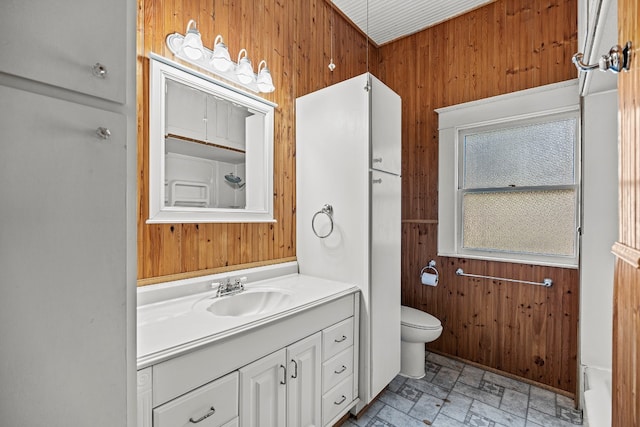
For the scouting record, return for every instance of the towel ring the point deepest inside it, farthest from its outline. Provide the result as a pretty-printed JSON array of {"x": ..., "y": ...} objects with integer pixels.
[
  {"x": 431, "y": 266},
  {"x": 328, "y": 211}
]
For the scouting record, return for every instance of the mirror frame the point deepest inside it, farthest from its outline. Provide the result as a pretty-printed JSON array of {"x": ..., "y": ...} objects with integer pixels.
[{"x": 161, "y": 69}]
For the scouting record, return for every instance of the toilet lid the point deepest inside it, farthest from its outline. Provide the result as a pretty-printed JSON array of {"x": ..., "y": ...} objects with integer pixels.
[{"x": 418, "y": 319}]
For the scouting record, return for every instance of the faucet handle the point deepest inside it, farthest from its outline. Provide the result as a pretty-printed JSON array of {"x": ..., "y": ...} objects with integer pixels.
[{"x": 241, "y": 280}]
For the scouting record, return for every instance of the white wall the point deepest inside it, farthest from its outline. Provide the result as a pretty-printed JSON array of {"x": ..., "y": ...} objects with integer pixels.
[{"x": 599, "y": 227}]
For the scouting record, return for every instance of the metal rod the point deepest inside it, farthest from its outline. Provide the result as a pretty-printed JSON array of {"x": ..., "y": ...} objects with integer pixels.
[{"x": 547, "y": 283}]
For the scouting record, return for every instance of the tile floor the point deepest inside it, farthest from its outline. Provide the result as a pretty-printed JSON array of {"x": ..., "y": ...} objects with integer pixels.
[{"x": 454, "y": 394}]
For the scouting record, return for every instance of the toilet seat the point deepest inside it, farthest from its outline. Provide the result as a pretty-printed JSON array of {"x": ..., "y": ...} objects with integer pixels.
[{"x": 418, "y": 319}]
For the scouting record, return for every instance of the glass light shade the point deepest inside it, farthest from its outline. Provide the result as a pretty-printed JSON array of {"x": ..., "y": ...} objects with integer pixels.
[
  {"x": 192, "y": 44},
  {"x": 265, "y": 82},
  {"x": 220, "y": 59},
  {"x": 245, "y": 71}
]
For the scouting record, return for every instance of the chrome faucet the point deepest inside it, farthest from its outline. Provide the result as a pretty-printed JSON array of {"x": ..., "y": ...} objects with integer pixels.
[{"x": 228, "y": 288}]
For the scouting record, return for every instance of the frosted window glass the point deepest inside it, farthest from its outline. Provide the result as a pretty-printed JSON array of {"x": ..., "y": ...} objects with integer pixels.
[
  {"x": 534, "y": 222},
  {"x": 532, "y": 155}
]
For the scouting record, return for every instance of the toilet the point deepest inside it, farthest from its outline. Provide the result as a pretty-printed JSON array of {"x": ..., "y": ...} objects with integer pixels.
[{"x": 416, "y": 329}]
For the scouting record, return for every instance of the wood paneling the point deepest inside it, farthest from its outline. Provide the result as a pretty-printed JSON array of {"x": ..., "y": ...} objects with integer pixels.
[
  {"x": 509, "y": 45},
  {"x": 295, "y": 39},
  {"x": 626, "y": 346},
  {"x": 626, "y": 313}
]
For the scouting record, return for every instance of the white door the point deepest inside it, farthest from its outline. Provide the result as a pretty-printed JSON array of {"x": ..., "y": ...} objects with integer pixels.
[
  {"x": 59, "y": 42},
  {"x": 385, "y": 279},
  {"x": 263, "y": 392},
  {"x": 62, "y": 262},
  {"x": 304, "y": 386}
]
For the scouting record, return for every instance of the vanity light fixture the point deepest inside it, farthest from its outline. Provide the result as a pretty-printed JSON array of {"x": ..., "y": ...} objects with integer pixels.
[
  {"x": 264, "y": 81},
  {"x": 189, "y": 48},
  {"x": 192, "y": 44},
  {"x": 220, "y": 59},
  {"x": 244, "y": 71}
]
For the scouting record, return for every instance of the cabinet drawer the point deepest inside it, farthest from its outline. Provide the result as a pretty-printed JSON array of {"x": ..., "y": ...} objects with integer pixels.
[
  {"x": 336, "y": 369},
  {"x": 337, "y": 400},
  {"x": 214, "y": 404},
  {"x": 337, "y": 338}
]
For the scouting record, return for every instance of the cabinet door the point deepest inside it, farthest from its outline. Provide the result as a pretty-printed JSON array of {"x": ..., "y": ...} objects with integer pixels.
[
  {"x": 304, "y": 390},
  {"x": 386, "y": 128},
  {"x": 186, "y": 111},
  {"x": 63, "y": 248},
  {"x": 237, "y": 132},
  {"x": 385, "y": 280},
  {"x": 58, "y": 43},
  {"x": 263, "y": 392}
]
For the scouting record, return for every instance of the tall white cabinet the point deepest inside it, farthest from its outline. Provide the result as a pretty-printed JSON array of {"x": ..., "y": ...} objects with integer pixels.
[
  {"x": 348, "y": 156},
  {"x": 67, "y": 235}
]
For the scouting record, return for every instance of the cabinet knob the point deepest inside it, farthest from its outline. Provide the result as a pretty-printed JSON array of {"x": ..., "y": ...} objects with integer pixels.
[
  {"x": 99, "y": 70},
  {"x": 103, "y": 133}
]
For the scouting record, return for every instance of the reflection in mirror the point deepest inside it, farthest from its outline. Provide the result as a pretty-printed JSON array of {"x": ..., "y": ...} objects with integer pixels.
[{"x": 206, "y": 144}]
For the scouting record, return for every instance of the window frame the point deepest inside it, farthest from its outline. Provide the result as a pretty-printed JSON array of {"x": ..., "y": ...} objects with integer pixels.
[{"x": 539, "y": 105}]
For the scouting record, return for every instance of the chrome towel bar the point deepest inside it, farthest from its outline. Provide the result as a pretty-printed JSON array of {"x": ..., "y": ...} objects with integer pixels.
[{"x": 547, "y": 283}]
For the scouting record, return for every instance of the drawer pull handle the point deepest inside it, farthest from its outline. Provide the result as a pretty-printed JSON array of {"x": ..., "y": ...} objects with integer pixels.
[
  {"x": 344, "y": 368},
  {"x": 207, "y": 415},
  {"x": 295, "y": 372},
  {"x": 344, "y": 337},
  {"x": 284, "y": 375},
  {"x": 341, "y": 401}
]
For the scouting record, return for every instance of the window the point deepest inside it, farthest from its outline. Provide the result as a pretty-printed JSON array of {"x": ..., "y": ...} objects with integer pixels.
[{"x": 509, "y": 185}]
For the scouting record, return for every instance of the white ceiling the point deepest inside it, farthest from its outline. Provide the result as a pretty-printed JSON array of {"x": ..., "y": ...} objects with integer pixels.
[{"x": 393, "y": 19}]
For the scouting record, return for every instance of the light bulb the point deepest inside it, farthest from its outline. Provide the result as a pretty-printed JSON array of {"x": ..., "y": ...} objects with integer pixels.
[
  {"x": 220, "y": 60},
  {"x": 192, "y": 43},
  {"x": 264, "y": 82},
  {"x": 244, "y": 71}
]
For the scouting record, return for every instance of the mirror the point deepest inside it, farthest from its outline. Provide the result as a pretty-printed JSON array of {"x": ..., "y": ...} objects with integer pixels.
[{"x": 210, "y": 149}]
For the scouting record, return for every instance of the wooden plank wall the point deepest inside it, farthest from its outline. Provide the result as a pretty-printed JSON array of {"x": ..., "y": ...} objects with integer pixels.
[
  {"x": 295, "y": 39},
  {"x": 509, "y": 45},
  {"x": 626, "y": 313}
]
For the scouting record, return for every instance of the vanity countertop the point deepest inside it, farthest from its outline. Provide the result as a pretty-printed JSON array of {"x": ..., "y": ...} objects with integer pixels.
[{"x": 171, "y": 327}]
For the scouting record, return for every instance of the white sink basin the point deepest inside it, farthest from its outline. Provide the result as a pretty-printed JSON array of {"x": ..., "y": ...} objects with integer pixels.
[{"x": 247, "y": 303}]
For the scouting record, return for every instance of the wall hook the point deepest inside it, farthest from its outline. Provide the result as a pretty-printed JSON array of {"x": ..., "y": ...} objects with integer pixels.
[{"x": 618, "y": 59}]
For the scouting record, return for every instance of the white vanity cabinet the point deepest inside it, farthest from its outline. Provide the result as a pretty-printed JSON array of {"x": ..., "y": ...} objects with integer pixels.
[
  {"x": 283, "y": 389},
  {"x": 296, "y": 371}
]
